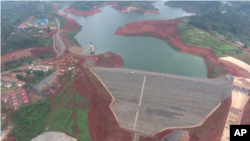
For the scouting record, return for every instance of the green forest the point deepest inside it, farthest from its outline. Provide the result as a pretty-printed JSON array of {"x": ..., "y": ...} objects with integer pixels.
[
  {"x": 232, "y": 22},
  {"x": 86, "y": 5},
  {"x": 199, "y": 6},
  {"x": 31, "y": 120}
]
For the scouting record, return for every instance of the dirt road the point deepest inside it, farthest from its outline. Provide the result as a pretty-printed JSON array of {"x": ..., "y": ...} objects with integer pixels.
[{"x": 59, "y": 41}]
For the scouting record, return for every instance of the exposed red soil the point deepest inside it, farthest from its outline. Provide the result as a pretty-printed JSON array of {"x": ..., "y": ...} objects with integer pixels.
[
  {"x": 112, "y": 60},
  {"x": 62, "y": 14},
  {"x": 115, "y": 5},
  {"x": 71, "y": 24},
  {"x": 55, "y": 8},
  {"x": 167, "y": 29},
  {"x": 50, "y": 34},
  {"x": 31, "y": 52},
  {"x": 245, "y": 119},
  {"x": 82, "y": 13},
  {"x": 131, "y": 8},
  {"x": 102, "y": 123},
  {"x": 83, "y": 105},
  {"x": 151, "y": 12},
  {"x": 100, "y": 5}
]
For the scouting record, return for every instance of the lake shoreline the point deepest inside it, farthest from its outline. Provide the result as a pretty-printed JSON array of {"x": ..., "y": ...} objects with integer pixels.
[{"x": 168, "y": 30}]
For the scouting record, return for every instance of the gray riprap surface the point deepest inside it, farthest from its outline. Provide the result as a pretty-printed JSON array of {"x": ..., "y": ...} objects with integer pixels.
[
  {"x": 167, "y": 100},
  {"x": 53, "y": 136},
  {"x": 39, "y": 87}
]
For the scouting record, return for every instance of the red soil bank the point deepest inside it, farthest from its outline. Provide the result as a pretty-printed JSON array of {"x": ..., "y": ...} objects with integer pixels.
[
  {"x": 115, "y": 5},
  {"x": 50, "y": 34},
  {"x": 167, "y": 29},
  {"x": 131, "y": 8},
  {"x": 71, "y": 24},
  {"x": 100, "y": 5},
  {"x": 246, "y": 115},
  {"x": 61, "y": 14},
  {"x": 151, "y": 12},
  {"x": 31, "y": 52},
  {"x": 112, "y": 60},
  {"x": 82, "y": 13},
  {"x": 102, "y": 123}
]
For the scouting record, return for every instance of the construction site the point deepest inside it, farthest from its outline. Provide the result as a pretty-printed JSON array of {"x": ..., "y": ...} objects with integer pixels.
[{"x": 147, "y": 103}]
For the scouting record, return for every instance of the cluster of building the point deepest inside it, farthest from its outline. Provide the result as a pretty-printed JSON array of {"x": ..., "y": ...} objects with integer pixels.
[
  {"x": 14, "y": 98},
  {"x": 9, "y": 82},
  {"x": 40, "y": 68},
  {"x": 42, "y": 23}
]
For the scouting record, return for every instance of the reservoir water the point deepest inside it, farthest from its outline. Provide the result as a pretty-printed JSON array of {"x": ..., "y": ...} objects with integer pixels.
[{"x": 142, "y": 53}]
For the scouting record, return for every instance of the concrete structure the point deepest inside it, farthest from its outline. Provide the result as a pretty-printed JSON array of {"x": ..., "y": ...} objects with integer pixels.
[
  {"x": 20, "y": 83},
  {"x": 7, "y": 85},
  {"x": 147, "y": 103},
  {"x": 13, "y": 79},
  {"x": 41, "y": 68},
  {"x": 92, "y": 50},
  {"x": 53, "y": 136}
]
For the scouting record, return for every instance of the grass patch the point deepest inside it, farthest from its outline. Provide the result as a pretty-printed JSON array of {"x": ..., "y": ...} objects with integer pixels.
[
  {"x": 71, "y": 36},
  {"x": 79, "y": 98},
  {"x": 68, "y": 129},
  {"x": 197, "y": 37},
  {"x": 47, "y": 42},
  {"x": 62, "y": 21},
  {"x": 82, "y": 123},
  {"x": 59, "y": 119},
  {"x": 31, "y": 120}
]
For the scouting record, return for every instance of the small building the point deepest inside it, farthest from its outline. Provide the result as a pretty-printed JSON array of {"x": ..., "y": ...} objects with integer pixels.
[
  {"x": 24, "y": 96},
  {"x": 5, "y": 78},
  {"x": 7, "y": 85},
  {"x": 14, "y": 98},
  {"x": 20, "y": 83},
  {"x": 41, "y": 68},
  {"x": 13, "y": 79},
  {"x": 4, "y": 98}
]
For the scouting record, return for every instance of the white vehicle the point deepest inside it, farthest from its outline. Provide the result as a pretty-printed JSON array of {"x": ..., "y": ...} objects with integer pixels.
[{"x": 132, "y": 72}]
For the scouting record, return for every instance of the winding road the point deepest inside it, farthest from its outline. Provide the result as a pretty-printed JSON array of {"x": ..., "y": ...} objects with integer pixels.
[{"x": 58, "y": 42}]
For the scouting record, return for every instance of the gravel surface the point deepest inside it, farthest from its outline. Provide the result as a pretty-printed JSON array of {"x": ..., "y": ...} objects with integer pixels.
[{"x": 166, "y": 101}]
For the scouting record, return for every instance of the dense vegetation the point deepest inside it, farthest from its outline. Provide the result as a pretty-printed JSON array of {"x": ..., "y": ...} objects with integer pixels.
[
  {"x": 146, "y": 5},
  {"x": 12, "y": 64},
  {"x": 234, "y": 25},
  {"x": 85, "y": 5},
  {"x": 230, "y": 20},
  {"x": 30, "y": 121},
  {"x": 199, "y": 6},
  {"x": 15, "y": 12},
  {"x": 197, "y": 37}
]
